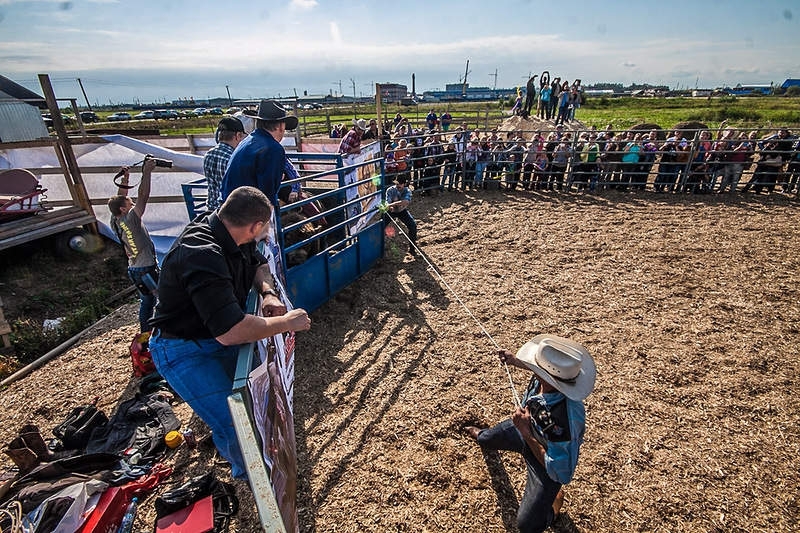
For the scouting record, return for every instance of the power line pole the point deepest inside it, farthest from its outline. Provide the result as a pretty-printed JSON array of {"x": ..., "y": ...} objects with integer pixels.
[
  {"x": 355, "y": 115},
  {"x": 230, "y": 100},
  {"x": 84, "y": 95}
]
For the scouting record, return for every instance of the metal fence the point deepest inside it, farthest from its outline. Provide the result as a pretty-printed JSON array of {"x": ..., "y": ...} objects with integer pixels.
[{"x": 588, "y": 160}]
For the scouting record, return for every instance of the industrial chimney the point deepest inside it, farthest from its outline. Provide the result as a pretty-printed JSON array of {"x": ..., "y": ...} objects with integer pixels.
[{"x": 413, "y": 85}]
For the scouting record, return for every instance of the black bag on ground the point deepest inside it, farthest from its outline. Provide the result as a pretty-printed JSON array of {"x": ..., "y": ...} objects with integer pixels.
[
  {"x": 74, "y": 432},
  {"x": 139, "y": 426},
  {"x": 223, "y": 495}
]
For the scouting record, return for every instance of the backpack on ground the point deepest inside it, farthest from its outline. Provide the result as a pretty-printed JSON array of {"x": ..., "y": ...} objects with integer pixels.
[
  {"x": 137, "y": 427},
  {"x": 74, "y": 432},
  {"x": 223, "y": 494}
]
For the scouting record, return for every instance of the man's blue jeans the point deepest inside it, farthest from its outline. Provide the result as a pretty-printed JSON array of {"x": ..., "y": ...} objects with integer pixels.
[
  {"x": 535, "y": 512},
  {"x": 145, "y": 279},
  {"x": 201, "y": 372}
]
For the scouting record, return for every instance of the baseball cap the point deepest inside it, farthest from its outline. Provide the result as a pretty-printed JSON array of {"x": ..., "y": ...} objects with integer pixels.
[{"x": 232, "y": 124}]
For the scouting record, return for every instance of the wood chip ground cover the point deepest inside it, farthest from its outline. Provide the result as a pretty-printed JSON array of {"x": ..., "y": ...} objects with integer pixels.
[{"x": 688, "y": 304}]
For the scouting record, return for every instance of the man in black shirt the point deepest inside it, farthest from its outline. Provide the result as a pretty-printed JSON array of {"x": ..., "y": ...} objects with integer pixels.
[{"x": 200, "y": 323}]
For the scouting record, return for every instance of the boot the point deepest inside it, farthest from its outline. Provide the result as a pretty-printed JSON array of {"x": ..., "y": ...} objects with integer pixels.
[
  {"x": 33, "y": 439},
  {"x": 25, "y": 458}
]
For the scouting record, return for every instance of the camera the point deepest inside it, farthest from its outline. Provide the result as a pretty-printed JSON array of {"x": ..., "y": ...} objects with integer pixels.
[
  {"x": 166, "y": 163},
  {"x": 540, "y": 415}
]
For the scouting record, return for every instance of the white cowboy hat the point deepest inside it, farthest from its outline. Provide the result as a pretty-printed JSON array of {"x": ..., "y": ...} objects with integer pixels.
[
  {"x": 361, "y": 124},
  {"x": 563, "y": 363}
]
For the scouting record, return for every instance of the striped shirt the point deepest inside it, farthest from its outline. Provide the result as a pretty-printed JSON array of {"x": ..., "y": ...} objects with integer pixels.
[{"x": 215, "y": 163}]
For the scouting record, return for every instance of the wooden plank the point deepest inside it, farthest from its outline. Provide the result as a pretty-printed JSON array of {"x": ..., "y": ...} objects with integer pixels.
[
  {"x": 42, "y": 225},
  {"x": 104, "y": 201},
  {"x": 39, "y": 143}
]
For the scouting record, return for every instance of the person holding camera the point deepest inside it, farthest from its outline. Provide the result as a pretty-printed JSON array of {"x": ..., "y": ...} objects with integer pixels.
[
  {"x": 548, "y": 428},
  {"x": 126, "y": 221}
]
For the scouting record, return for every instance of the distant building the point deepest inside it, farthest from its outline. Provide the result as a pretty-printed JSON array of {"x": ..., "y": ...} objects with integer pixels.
[
  {"x": 393, "y": 92},
  {"x": 460, "y": 91},
  {"x": 790, "y": 83},
  {"x": 744, "y": 90},
  {"x": 599, "y": 92},
  {"x": 20, "y": 118}
]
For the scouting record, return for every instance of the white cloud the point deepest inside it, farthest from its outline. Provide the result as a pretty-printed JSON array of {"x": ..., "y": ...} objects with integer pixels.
[
  {"x": 336, "y": 34},
  {"x": 303, "y": 4},
  {"x": 321, "y": 46}
]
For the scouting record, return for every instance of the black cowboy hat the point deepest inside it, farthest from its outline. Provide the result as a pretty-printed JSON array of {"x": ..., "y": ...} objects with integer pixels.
[{"x": 272, "y": 111}]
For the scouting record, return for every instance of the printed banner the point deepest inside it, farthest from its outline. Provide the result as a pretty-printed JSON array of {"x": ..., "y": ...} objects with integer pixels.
[{"x": 272, "y": 389}]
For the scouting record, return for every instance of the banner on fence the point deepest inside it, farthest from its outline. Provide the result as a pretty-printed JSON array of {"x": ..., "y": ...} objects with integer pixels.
[
  {"x": 368, "y": 177},
  {"x": 272, "y": 390}
]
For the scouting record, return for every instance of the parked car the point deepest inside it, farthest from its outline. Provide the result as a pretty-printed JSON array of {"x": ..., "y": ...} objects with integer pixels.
[
  {"x": 48, "y": 119},
  {"x": 165, "y": 114},
  {"x": 144, "y": 115},
  {"x": 308, "y": 106},
  {"x": 215, "y": 111},
  {"x": 317, "y": 106},
  {"x": 118, "y": 116},
  {"x": 89, "y": 116},
  {"x": 200, "y": 111}
]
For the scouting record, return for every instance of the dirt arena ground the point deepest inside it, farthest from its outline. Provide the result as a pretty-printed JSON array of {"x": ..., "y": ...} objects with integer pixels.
[{"x": 690, "y": 306}]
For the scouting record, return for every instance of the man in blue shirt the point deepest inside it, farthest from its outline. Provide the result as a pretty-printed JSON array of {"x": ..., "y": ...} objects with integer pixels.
[
  {"x": 398, "y": 197},
  {"x": 259, "y": 159},
  {"x": 547, "y": 429}
]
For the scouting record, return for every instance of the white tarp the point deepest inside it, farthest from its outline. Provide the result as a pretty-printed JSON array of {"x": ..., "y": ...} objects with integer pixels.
[{"x": 164, "y": 221}]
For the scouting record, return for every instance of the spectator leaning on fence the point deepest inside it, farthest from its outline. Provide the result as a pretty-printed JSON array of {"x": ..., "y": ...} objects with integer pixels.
[
  {"x": 351, "y": 143},
  {"x": 200, "y": 320}
]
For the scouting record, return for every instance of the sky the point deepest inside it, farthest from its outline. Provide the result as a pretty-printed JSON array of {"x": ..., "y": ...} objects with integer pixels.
[{"x": 158, "y": 51}]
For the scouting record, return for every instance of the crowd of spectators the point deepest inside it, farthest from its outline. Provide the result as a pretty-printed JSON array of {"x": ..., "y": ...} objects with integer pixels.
[{"x": 677, "y": 161}]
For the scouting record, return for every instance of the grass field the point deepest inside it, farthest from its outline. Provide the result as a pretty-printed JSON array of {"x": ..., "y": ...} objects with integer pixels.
[{"x": 621, "y": 113}]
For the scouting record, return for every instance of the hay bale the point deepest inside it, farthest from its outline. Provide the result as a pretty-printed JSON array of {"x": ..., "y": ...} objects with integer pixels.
[
  {"x": 689, "y": 128},
  {"x": 648, "y": 126}
]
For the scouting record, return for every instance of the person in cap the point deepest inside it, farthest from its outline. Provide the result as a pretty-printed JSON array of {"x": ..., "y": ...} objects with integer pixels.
[
  {"x": 230, "y": 132},
  {"x": 351, "y": 142},
  {"x": 259, "y": 160},
  {"x": 548, "y": 428},
  {"x": 398, "y": 198}
]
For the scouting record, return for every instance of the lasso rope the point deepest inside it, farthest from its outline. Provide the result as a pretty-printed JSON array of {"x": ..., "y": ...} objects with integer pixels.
[{"x": 384, "y": 210}]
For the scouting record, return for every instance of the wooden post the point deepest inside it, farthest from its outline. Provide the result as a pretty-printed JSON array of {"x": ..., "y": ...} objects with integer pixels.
[
  {"x": 378, "y": 105},
  {"x": 71, "y": 171},
  {"x": 5, "y": 329},
  {"x": 297, "y": 130},
  {"x": 78, "y": 117}
]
